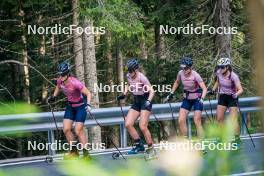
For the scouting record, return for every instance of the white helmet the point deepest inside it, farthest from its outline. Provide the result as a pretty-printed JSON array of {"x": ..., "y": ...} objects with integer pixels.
[{"x": 224, "y": 61}]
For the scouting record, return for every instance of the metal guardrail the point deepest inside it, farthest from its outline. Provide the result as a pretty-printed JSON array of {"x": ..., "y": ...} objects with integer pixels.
[{"x": 35, "y": 122}]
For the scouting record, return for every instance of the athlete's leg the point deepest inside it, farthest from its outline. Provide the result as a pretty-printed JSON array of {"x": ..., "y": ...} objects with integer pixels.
[
  {"x": 143, "y": 125},
  {"x": 184, "y": 110},
  {"x": 198, "y": 123},
  {"x": 80, "y": 117},
  {"x": 182, "y": 121},
  {"x": 69, "y": 117},
  {"x": 220, "y": 113},
  {"x": 67, "y": 125},
  {"x": 234, "y": 119},
  {"x": 130, "y": 120},
  {"x": 80, "y": 129},
  {"x": 80, "y": 133}
]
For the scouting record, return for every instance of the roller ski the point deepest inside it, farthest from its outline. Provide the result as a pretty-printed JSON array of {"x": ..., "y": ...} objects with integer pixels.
[
  {"x": 238, "y": 143},
  {"x": 150, "y": 154},
  {"x": 137, "y": 152}
]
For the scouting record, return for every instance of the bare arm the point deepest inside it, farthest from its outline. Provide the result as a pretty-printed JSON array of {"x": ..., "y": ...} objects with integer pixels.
[
  {"x": 175, "y": 85},
  {"x": 216, "y": 84},
  {"x": 87, "y": 93},
  {"x": 202, "y": 85},
  {"x": 56, "y": 91},
  {"x": 239, "y": 88},
  {"x": 126, "y": 90},
  {"x": 151, "y": 93}
]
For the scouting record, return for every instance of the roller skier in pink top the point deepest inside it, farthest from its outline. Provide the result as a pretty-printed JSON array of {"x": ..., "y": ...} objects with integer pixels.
[
  {"x": 229, "y": 87},
  {"x": 194, "y": 92},
  {"x": 143, "y": 94},
  {"x": 76, "y": 108}
]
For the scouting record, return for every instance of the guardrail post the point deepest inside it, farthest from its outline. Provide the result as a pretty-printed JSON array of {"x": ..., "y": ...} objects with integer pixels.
[
  {"x": 243, "y": 126},
  {"x": 51, "y": 140},
  {"x": 189, "y": 124},
  {"x": 123, "y": 135}
]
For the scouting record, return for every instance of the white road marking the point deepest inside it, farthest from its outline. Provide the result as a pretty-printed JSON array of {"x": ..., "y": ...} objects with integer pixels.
[
  {"x": 105, "y": 153},
  {"x": 248, "y": 173}
]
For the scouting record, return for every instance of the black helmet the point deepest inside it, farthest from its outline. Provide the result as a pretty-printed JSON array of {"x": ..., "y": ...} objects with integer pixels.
[
  {"x": 64, "y": 68},
  {"x": 132, "y": 64},
  {"x": 186, "y": 61}
]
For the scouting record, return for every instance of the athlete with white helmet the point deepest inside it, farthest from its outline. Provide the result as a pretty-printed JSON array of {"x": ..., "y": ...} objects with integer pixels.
[{"x": 229, "y": 88}]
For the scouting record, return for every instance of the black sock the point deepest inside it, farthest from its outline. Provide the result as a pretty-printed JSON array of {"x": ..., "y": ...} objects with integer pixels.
[
  {"x": 85, "y": 152},
  {"x": 237, "y": 137},
  {"x": 150, "y": 145},
  {"x": 137, "y": 141},
  {"x": 74, "y": 149}
]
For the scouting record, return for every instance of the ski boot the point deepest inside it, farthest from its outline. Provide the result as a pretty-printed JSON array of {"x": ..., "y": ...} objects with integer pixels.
[
  {"x": 151, "y": 153},
  {"x": 138, "y": 148}
]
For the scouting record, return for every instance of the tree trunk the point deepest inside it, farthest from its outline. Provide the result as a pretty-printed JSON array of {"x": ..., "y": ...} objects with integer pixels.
[
  {"x": 114, "y": 130},
  {"x": 160, "y": 43},
  {"x": 120, "y": 66},
  {"x": 222, "y": 19},
  {"x": 256, "y": 10},
  {"x": 91, "y": 76},
  {"x": 110, "y": 81},
  {"x": 26, "y": 96},
  {"x": 143, "y": 49},
  {"x": 42, "y": 53},
  {"x": 120, "y": 77},
  {"x": 77, "y": 44},
  {"x": 16, "y": 81},
  {"x": 161, "y": 54}
]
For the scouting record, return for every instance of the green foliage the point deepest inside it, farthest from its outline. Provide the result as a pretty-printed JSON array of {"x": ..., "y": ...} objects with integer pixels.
[
  {"x": 17, "y": 108},
  {"x": 122, "y": 18}
]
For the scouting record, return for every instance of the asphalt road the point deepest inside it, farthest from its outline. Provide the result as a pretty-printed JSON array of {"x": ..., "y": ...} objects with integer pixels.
[{"x": 247, "y": 161}]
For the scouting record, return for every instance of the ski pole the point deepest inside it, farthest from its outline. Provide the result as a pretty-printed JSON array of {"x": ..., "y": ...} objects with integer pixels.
[
  {"x": 211, "y": 107},
  {"x": 243, "y": 120},
  {"x": 110, "y": 136},
  {"x": 54, "y": 119},
  {"x": 173, "y": 118}
]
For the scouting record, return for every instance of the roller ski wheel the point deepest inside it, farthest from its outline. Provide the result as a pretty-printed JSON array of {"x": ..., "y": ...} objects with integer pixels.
[
  {"x": 49, "y": 159},
  {"x": 115, "y": 155},
  {"x": 150, "y": 155}
]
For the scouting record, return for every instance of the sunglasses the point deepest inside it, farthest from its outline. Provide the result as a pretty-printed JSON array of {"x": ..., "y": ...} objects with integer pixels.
[
  {"x": 128, "y": 70},
  {"x": 222, "y": 67},
  {"x": 64, "y": 74},
  {"x": 131, "y": 71},
  {"x": 185, "y": 68}
]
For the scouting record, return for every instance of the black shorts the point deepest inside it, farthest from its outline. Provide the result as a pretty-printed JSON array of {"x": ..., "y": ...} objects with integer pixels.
[
  {"x": 227, "y": 100},
  {"x": 139, "y": 103}
]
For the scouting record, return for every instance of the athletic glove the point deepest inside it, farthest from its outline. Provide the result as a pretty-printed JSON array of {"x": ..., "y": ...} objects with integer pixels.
[
  {"x": 88, "y": 108},
  {"x": 51, "y": 99},
  {"x": 169, "y": 97},
  {"x": 211, "y": 92},
  {"x": 120, "y": 97},
  {"x": 201, "y": 100},
  {"x": 234, "y": 96},
  {"x": 147, "y": 103}
]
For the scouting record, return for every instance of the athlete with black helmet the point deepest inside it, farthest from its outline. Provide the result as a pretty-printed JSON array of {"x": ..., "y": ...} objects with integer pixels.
[
  {"x": 194, "y": 93},
  {"x": 143, "y": 93},
  {"x": 76, "y": 108}
]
